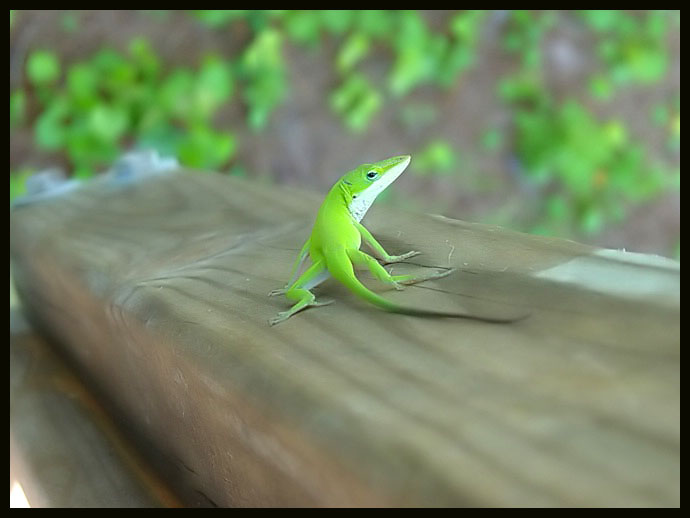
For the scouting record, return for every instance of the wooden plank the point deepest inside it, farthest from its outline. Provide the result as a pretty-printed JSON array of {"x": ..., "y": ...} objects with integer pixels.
[
  {"x": 64, "y": 449},
  {"x": 159, "y": 287}
]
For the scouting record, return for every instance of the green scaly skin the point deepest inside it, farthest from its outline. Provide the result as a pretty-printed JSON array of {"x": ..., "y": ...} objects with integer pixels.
[{"x": 335, "y": 240}]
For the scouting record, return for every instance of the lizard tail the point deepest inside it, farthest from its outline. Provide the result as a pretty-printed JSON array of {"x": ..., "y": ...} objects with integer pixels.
[{"x": 341, "y": 269}]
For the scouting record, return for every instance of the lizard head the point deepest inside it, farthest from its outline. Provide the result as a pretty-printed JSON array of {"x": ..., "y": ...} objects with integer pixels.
[{"x": 364, "y": 183}]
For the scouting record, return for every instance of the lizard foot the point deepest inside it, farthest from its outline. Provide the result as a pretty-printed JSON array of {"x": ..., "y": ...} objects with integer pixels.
[
  {"x": 280, "y": 317},
  {"x": 322, "y": 302},
  {"x": 398, "y": 258},
  {"x": 436, "y": 275},
  {"x": 284, "y": 315}
]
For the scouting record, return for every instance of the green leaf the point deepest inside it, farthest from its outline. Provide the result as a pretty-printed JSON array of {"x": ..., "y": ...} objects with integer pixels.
[
  {"x": 86, "y": 149},
  {"x": 213, "y": 86},
  {"x": 523, "y": 87},
  {"x": 218, "y": 17},
  {"x": 600, "y": 87},
  {"x": 417, "y": 54},
  {"x": 356, "y": 101},
  {"x": 592, "y": 221},
  {"x": 602, "y": 20},
  {"x": 82, "y": 84},
  {"x": 43, "y": 67},
  {"x": 50, "y": 129},
  {"x": 262, "y": 68},
  {"x": 145, "y": 58},
  {"x": 336, "y": 21},
  {"x": 377, "y": 24},
  {"x": 355, "y": 48},
  {"x": 206, "y": 149},
  {"x": 108, "y": 123},
  {"x": 116, "y": 73},
  {"x": 176, "y": 94},
  {"x": 646, "y": 64},
  {"x": 437, "y": 157},
  {"x": 18, "y": 182},
  {"x": 466, "y": 26},
  {"x": 303, "y": 26},
  {"x": 17, "y": 108}
]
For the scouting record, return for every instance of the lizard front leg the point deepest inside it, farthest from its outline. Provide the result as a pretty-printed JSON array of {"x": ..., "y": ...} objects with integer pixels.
[
  {"x": 299, "y": 292},
  {"x": 295, "y": 269},
  {"x": 378, "y": 250},
  {"x": 362, "y": 259}
]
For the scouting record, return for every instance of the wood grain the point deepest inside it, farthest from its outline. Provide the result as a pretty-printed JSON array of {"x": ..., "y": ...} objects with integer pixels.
[
  {"x": 64, "y": 448},
  {"x": 159, "y": 289}
]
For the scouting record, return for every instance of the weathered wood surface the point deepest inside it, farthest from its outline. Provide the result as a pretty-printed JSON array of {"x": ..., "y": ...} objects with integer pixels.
[
  {"x": 159, "y": 289},
  {"x": 64, "y": 449}
]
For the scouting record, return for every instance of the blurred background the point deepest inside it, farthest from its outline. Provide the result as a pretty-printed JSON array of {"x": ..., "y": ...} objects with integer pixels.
[{"x": 562, "y": 123}]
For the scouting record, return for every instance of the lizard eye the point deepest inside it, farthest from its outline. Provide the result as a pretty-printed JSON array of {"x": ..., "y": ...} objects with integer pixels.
[{"x": 371, "y": 175}]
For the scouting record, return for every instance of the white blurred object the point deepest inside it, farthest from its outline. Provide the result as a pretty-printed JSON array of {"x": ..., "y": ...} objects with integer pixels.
[
  {"x": 130, "y": 168},
  {"x": 44, "y": 184},
  {"x": 136, "y": 165}
]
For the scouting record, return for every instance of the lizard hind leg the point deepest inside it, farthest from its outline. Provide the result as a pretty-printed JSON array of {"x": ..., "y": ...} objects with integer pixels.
[
  {"x": 363, "y": 259},
  {"x": 301, "y": 258},
  {"x": 299, "y": 292}
]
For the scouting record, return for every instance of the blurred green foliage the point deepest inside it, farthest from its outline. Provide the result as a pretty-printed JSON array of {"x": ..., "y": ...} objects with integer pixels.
[
  {"x": 594, "y": 167},
  {"x": 437, "y": 157},
  {"x": 588, "y": 171},
  {"x": 631, "y": 48},
  {"x": 525, "y": 31},
  {"x": 113, "y": 99},
  {"x": 591, "y": 170},
  {"x": 18, "y": 182},
  {"x": 263, "y": 70},
  {"x": 42, "y": 68}
]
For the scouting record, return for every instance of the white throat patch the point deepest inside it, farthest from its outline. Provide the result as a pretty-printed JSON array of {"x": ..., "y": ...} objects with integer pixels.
[{"x": 360, "y": 205}]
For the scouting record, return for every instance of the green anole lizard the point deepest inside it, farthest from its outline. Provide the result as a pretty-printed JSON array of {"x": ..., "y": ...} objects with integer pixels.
[{"x": 335, "y": 240}]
